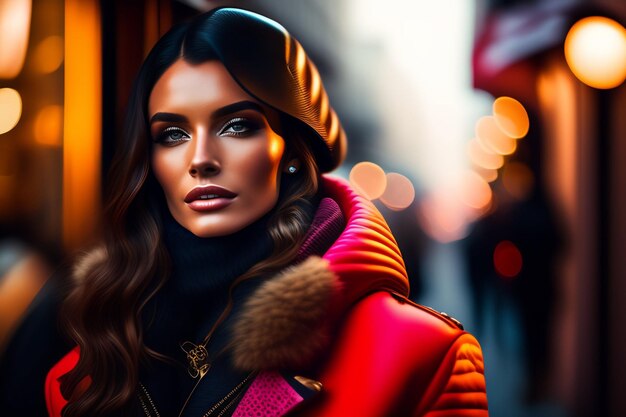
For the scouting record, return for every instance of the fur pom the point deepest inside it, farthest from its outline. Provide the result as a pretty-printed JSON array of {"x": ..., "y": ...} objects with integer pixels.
[
  {"x": 283, "y": 324},
  {"x": 88, "y": 261}
]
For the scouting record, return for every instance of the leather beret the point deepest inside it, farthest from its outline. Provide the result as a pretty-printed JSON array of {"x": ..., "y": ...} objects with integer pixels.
[{"x": 270, "y": 65}]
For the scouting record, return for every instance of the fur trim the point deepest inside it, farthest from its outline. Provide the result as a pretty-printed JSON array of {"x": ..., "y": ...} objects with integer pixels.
[
  {"x": 282, "y": 325},
  {"x": 87, "y": 261}
]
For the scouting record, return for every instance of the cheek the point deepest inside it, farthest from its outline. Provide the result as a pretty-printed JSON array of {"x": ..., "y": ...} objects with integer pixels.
[
  {"x": 163, "y": 171},
  {"x": 269, "y": 166},
  {"x": 275, "y": 148},
  {"x": 263, "y": 164}
]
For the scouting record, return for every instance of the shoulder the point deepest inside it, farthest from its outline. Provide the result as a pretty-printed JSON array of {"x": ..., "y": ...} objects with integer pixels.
[
  {"x": 432, "y": 352},
  {"x": 386, "y": 325},
  {"x": 411, "y": 353},
  {"x": 392, "y": 313}
]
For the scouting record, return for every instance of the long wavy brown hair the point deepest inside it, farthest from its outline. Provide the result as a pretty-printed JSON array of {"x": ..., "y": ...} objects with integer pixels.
[{"x": 103, "y": 310}]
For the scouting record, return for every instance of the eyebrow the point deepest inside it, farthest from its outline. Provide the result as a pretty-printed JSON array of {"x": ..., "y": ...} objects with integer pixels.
[{"x": 222, "y": 111}]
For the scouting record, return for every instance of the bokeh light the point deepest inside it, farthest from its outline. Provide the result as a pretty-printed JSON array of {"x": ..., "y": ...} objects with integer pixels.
[
  {"x": 489, "y": 175},
  {"x": 10, "y": 109},
  {"x": 474, "y": 191},
  {"x": 511, "y": 117},
  {"x": 483, "y": 157},
  {"x": 14, "y": 29},
  {"x": 399, "y": 192},
  {"x": 368, "y": 179},
  {"x": 493, "y": 138},
  {"x": 595, "y": 50},
  {"x": 48, "y": 55},
  {"x": 442, "y": 217},
  {"x": 48, "y": 127},
  {"x": 518, "y": 180},
  {"x": 507, "y": 259}
]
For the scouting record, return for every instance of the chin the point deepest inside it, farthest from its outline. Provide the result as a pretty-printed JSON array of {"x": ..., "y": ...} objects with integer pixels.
[
  {"x": 216, "y": 228},
  {"x": 212, "y": 231}
]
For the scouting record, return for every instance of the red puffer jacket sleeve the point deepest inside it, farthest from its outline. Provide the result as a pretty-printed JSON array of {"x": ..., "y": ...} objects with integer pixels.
[
  {"x": 54, "y": 400},
  {"x": 396, "y": 358},
  {"x": 458, "y": 387}
]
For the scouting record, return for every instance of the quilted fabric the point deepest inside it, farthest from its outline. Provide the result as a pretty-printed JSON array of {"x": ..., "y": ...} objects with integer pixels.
[
  {"x": 365, "y": 258},
  {"x": 268, "y": 396},
  {"x": 462, "y": 382}
]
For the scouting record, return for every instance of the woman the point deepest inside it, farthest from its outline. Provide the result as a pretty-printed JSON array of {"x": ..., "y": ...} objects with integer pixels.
[{"x": 236, "y": 280}]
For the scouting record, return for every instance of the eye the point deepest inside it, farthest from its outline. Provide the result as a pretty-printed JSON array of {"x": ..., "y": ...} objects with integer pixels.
[
  {"x": 239, "y": 126},
  {"x": 172, "y": 135}
]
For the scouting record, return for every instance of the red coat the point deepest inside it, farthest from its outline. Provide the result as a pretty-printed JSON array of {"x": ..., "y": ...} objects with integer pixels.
[{"x": 380, "y": 354}]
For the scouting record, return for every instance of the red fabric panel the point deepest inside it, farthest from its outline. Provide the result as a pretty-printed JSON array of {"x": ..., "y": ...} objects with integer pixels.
[{"x": 54, "y": 400}]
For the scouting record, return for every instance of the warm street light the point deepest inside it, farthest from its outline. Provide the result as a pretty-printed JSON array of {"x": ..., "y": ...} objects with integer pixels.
[
  {"x": 14, "y": 29},
  {"x": 595, "y": 50}
]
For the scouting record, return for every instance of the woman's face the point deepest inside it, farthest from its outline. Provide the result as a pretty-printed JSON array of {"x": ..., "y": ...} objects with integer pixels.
[{"x": 215, "y": 154}]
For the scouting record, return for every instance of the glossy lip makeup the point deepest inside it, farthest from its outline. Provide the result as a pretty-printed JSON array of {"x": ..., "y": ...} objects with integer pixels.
[{"x": 209, "y": 198}]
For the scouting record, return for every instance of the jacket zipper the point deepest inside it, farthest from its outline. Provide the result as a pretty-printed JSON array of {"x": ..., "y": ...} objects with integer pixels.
[{"x": 144, "y": 405}]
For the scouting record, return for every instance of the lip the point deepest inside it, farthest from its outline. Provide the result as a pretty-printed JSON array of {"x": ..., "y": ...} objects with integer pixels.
[
  {"x": 223, "y": 198},
  {"x": 198, "y": 192}
]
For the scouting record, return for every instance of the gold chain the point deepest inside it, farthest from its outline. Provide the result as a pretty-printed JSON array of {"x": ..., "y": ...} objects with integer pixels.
[
  {"x": 230, "y": 394},
  {"x": 237, "y": 390},
  {"x": 143, "y": 404}
]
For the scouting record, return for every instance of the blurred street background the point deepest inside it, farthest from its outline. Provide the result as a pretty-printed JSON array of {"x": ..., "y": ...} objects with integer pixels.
[{"x": 490, "y": 134}]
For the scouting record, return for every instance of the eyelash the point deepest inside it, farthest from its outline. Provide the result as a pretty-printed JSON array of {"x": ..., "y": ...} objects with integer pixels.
[
  {"x": 165, "y": 134},
  {"x": 249, "y": 126}
]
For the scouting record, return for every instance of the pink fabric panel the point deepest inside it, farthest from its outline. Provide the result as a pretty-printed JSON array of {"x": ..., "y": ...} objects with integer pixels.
[{"x": 268, "y": 396}]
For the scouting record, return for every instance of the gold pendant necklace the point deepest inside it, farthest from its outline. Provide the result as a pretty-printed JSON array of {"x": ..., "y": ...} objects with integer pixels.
[
  {"x": 198, "y": 359},
  {"x": 197, "y": 354}
]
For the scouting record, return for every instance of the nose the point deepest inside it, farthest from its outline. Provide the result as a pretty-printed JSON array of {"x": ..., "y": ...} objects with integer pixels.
[{"x": 204, "y": 160}]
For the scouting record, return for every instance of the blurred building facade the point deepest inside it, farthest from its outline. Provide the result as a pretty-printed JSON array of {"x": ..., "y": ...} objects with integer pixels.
[{"x": 519, "y": 52}]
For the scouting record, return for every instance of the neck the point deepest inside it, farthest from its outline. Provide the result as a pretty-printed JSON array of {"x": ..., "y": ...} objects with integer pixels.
[{"x": 203, "y": 267}]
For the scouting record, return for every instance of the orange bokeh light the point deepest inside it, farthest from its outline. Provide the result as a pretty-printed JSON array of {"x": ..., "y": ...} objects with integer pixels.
[
  {"x": 48, "y": 55},
  {"x": 399, "y": 192},
  {"x": 493, "y": 138},
  {"x": 483, "y": 157},
  {"x": 368, "y": 179},
  {"x": 48, "y": 128},
  {"x": 10, "y": 109},
  {"x": 507, "y": 259},
  {"x": 489, "y": 175},
  {"x": 511, "y": 117},
  {"x": 14, "y": 29},
  {"x": 474, "y": 191},
  {"x": 595, "y": 50}
]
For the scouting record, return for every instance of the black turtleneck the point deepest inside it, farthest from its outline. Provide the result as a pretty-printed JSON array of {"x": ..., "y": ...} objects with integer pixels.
[
  {"x": 187, "y": 306},
  {"x": 195, "y": 295}
]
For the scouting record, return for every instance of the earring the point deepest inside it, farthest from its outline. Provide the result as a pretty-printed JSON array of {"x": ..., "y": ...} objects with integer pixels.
[{"x": 293, "y": 166}]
